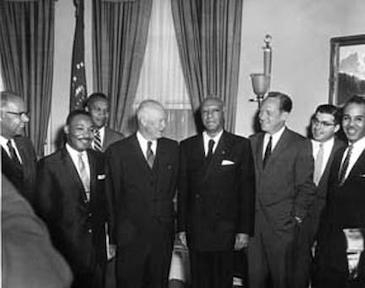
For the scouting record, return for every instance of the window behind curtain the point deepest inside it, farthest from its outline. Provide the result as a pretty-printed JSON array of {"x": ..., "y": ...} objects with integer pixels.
[{"x": 162, "y": 78}]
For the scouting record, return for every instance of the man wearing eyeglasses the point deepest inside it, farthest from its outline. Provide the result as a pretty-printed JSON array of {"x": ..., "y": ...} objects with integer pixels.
[
  {"x": 325, "y": 123},
  {"x": 17, "y": 153}
]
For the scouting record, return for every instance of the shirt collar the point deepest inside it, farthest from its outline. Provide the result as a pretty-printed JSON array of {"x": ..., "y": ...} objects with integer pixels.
[
  {"x": 73, "y": 152},
  {"x": 359, "y": 144},
  {"x": 143, "y": 143}
]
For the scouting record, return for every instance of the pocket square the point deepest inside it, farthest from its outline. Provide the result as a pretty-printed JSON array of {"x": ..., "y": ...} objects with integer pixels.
[
  {"x": 227, "y": 162},
  {"x": 101, "y": 177}
]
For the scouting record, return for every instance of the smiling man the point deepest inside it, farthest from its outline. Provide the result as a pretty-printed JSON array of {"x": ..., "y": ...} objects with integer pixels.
[
  {"x": 97, "y": 105},
  {"x": 216, "y": 198},
  {"x": 141, "y": 184},
  {"x": 71, "y": 200},
  {"x": 18, "y": 157},
  {"x": 325, "y": 123},
  {"x": 284, "y": 192},
  {"x": 345, "y": 212}
]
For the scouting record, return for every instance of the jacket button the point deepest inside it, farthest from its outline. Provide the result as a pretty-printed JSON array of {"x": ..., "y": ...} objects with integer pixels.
[
  {"x": 197, "y": 196},
  {"x": 90, "y": 231}
]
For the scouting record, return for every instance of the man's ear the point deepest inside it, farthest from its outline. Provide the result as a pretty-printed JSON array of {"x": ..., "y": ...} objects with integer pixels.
[
  {"x": 66, "y": 129},
  {"x": 337, "y": 128},
  {"x": 285, "y": 115}
]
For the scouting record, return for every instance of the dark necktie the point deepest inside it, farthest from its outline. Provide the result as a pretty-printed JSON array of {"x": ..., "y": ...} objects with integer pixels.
[
  {"x": 97, "y": 140},
  {"x": 345, "y": 165},
  {"x": 150, "y": 156},
  {"x": 210, "y": 150},
  {"x": 12, "y": 152},
  {"x": 267, "y": 152}
]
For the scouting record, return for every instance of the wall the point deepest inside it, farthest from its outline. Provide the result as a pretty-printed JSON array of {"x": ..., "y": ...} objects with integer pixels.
[{"x": 301, "y": 32}]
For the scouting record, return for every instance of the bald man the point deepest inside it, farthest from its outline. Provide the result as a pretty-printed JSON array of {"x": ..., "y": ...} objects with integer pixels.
[
  {"x": 141, "y": 182},
  {"x": 18, "y": 157},
  {"x": 216, "y": 198}
]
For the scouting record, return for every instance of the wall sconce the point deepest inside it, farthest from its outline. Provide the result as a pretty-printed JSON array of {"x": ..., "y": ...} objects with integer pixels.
[{"x": 261, "y": 81}]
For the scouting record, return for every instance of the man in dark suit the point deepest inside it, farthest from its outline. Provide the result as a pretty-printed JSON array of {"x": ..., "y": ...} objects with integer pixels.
[
  {"x": 98, "y": 106},
  {"x": 216, "y": 198},
  {"x": 325, "y": 123},
  {"x": 341, "y": 261},
  {"x": 28, "y": 257},
  {"x": 18, "y": 158},
  {"x": 72, "y": 202},
  {"x": 284, "y": 192},
  {"x": 141, "y": 182}
]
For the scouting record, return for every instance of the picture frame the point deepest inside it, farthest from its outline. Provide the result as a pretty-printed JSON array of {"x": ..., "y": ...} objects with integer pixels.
[{"x": 347, "y": 68}]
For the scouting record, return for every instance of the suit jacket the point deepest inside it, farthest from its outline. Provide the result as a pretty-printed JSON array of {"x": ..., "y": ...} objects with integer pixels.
[
  {"x": 346, "y": 202},
  {"x": 216, "y": 201},
  {"x": 28, "y": 257},
  {"x": 76, "y": 225},
  {"x": 284, "y": 189},
  {"x": 140, "y": 197},
  {"x": 22, "y": 177},
  {"x": 110, "y": 137}
]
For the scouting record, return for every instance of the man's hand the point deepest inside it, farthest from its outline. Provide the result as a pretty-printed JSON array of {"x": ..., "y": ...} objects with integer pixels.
[
  {"x": 182, "y": 238},
  {"x": 241, "y": 241},
  {"x": 111, "y": 251}
]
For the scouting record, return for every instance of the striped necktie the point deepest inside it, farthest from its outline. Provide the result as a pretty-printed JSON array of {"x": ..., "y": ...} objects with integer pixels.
[
  {"x": 345, "y": 165},
  {"x": 97, "y": 140}
]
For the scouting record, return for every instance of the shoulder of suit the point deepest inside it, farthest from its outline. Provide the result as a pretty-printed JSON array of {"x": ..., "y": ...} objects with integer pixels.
[
  {"x": 53, "y": 157},
  {"x": 168, "y": 141},
  {"x": 191, "y": 140},
  {"x": 114, "y": 133},
  {"x": 24, "y": 141},
  {"x": 234, "y": 137}
]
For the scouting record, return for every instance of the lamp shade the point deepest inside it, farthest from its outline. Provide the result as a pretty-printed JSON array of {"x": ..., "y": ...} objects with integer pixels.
[{"x": 260, "y": 83}]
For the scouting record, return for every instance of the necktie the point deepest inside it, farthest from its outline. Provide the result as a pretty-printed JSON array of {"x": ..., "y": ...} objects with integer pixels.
[
  {"x": 97, "y": 140},
  {"x": 318, "y": 164},
  {"x": 267, "y": 151},
  {"x": 210, "y": 150},
  {"x": 150, "y": 156},
  {"x": 85, "y": 179},
  {"x": 12, "y": 152},
  {"x": 345, "y": 165}
]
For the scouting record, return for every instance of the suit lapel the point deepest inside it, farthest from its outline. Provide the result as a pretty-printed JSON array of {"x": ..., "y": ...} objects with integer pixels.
[
  {"x": 72, "y": 172},
  {"x": 93, "y": 177},
  {"x": 359, "y": 167},
  {"x": 218, "y": 155},
  {"x": 139, "y": 153},
  {"x": 326, "y": 171},
  {"x": 259, "y": 151}
]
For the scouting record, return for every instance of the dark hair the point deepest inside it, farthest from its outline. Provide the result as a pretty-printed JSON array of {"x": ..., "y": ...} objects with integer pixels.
[
  {"x": 75, "y": 113},
  {"x": 356, "y": 99},
  {"x": 330, "y": 109},
  {"x": 285, "y": 102},
  {"x": 95, "y": 97}
]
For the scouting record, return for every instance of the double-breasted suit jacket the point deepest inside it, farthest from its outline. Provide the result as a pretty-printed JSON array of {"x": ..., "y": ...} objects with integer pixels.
[
  {"x": 110, "y": 137},
  {"x": 76, "y": 224},
  {"x": 23, "y": 177},
  {"x": 216, "y": 199},
  {"x": 141, "y": 205}
]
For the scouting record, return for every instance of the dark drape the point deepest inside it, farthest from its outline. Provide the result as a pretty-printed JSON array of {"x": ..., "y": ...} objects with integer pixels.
[
  {"x": 119, "y": 41},
  {"x": 209, "y": 38},
  {"x": 26, "y": 54}
]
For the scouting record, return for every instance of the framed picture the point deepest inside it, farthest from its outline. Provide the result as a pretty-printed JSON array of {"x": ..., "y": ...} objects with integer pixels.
[{"x": 347, "y": 68}]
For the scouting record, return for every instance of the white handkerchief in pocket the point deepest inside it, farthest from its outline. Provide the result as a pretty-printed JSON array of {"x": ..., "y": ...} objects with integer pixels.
[
  {"x": 101, "y": 177},
  {"x": 227, "y": 162}
]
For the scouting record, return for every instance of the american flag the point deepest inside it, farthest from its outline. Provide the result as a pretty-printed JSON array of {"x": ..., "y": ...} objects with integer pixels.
[{"x": 78, "y": 78}]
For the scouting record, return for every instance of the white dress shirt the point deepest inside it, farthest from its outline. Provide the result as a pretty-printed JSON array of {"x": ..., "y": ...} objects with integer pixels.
[
  {"x": 357, "y": 148},
  {"x": 4, "y": 145},
  {"x": 206, "y": 139},
  {"x": 327, "y": 148},
  {"x": 143, "y": 144},
  {"x": 75, "y": 159},
  {"x": 274, "y": 140}
]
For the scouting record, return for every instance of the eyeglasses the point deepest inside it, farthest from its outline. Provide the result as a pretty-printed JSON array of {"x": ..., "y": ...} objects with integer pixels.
[
  {"x": 19, "y": 114},
  {"x": 316, "y": 122}
]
